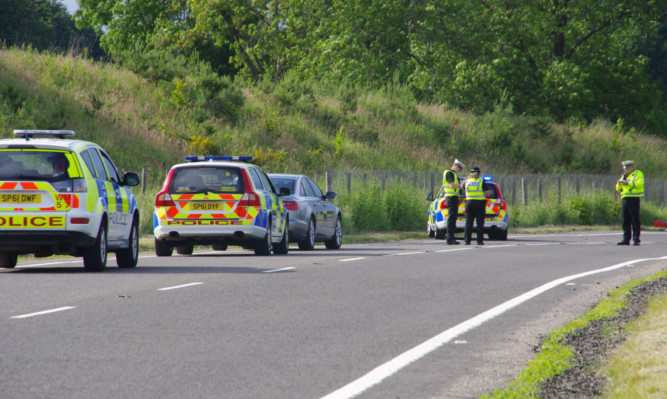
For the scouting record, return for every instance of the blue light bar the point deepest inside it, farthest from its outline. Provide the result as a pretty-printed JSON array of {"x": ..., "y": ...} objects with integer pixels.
[
  {"x": 487, "y": 178},
  {"x": 210, "y": 158},
  {"x": 43, "y": 133}
]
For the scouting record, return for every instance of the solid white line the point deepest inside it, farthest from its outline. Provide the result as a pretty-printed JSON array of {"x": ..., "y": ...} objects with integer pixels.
[
  {"x": 351, "y": 259},
  {"x": 43, "y": 312},
  {"x": 178, "y": 286},
  {"x": 278, "y": 270},
  {"x": 391, "y": 367}
]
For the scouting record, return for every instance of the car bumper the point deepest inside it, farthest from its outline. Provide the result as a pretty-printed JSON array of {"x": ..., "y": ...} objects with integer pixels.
[
  {"x": 179, "y": 232},
  {"x": 37, "y": 241}
]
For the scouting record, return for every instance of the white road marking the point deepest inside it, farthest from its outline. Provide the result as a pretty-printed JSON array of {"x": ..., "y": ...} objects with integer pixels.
[
  {"x": 351, "y": 259},
  {"x": 178, "y": 286},
  {"x": 454, "y": 249},
  {"x": 25, "y": 316},
  {"x": 391, "y": 367},
  {"x": 405, "y": 253},
  {"x": 279, "y": 270}
]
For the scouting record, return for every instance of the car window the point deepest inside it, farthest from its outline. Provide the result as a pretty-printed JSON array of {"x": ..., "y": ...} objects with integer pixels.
[
  {"x": 316, "y": 190},
  {"x": 112, "y": 172},
  {"x": 280, "y": 182},
  {"x": 99, "y": 171},
  {"x": 266, "y": 181},
  {"x": 494, "y": 191},
  {"x": 39, "y": 165},
  {"x": 222, "y": 180},
  {"x": 89, "y": 162},
  {"x": 306, "y": 190},
  {"x": 256, "y": 180}
]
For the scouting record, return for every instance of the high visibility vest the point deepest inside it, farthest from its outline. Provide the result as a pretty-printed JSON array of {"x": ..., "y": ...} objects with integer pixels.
[
  {"x": 450, "y": 192},
  {"x": 635, "y": 188},
  {"x": 475, "y": 189}
]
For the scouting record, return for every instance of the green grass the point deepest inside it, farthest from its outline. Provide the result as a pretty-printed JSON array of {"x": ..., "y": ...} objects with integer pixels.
[{"x": 553, "y": 357}]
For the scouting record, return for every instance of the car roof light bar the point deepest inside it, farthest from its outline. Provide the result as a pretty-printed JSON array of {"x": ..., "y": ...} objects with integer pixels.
[
  {"x": 44, "y": 133},
  {"x": 212, "y": 158}
]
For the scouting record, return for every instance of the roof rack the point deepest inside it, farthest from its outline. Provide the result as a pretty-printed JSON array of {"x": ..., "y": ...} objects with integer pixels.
[
  {"x": 242, "y": 158},
  {"x": 28, "y": 134}
]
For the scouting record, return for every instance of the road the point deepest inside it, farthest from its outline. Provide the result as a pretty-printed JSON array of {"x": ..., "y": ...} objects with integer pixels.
[{"x": 412, "y": 319}]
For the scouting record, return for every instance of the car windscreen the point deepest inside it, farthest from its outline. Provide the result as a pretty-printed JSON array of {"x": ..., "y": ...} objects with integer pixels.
[
  {"x": 280, "y": 182},
  {"x": 29, "y": 164},
  {"x": 223, "y": 180}
]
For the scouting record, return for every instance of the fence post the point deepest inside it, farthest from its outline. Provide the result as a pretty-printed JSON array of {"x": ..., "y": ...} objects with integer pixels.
[
  {"x": 559, "y": 189},
  {"x": 524, "y": 191},
  {"x": 576, "y": 179},
  {"x": 433, "y": 184},
  {"x": 348, "y": 176},
  {"x": 384, "y": 180},
  {"x": 143, "y": 180},
  {"x": 663, "y": 192},
  {"x": 539, "y": 189},
  {"x": 328, "y": 178}
]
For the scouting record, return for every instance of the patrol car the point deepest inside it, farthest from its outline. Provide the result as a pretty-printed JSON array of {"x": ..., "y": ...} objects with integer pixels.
[
  {"x": 64, "y": 196},
  {"x": 495, "y": 221},
  {"x": 219, "y": 201}
]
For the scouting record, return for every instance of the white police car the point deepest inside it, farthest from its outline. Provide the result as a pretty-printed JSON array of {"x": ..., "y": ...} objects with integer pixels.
[
  {"x": 64, "y": 196},
  {"x": 219, "y": 201}
]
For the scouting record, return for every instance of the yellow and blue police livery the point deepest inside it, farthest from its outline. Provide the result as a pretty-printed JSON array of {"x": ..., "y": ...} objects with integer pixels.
[
  {"x": 495, "y": 220},
  {"x": 219, "y": 201},
  {"x": 64, "y": 196}
]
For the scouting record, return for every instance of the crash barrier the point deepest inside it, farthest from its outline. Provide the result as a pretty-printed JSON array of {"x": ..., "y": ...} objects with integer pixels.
[{"x": 517, "y": 189}]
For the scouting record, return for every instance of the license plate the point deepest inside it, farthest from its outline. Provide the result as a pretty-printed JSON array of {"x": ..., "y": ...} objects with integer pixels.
[
  {"x": 206, "y": 206},
  {"x": 20, "y": 198}
]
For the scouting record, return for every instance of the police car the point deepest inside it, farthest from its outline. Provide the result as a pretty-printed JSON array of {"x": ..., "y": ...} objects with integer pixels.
[
  {"x": 495, "y": 221},
  {"x": 219, "y": 201},
  {"x": 64, "y": 196}
]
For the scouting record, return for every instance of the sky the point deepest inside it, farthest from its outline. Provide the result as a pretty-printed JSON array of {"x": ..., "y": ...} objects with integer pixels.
[{"x": 71, "y": 5}]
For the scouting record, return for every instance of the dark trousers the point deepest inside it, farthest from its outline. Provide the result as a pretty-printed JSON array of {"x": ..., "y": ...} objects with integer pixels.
[
  {"x": 452, "y": 214},
  {"x": 475, "y": 211},
  {"x": 630, "y": 216}
]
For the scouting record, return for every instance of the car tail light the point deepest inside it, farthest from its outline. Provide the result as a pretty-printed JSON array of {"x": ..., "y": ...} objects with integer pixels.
[
  {"x": 163, "y": 199},
  {"x": 70, "y": 186},
  {"x": 291, "y": 205},
  {"x": 250, "y": 199},
  {"x": 503, "y": 205},
  {"x": 79, "y": 220},
  {"x": 443, "y": 205}
]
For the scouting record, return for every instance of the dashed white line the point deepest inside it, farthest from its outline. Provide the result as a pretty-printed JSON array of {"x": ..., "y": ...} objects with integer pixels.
[
  {"x": 25, "y": 316},
  {"x": 405, "y": 253},
  {"x": 351, "y": 259},
  {"x": 178, "y": 286},
  {"x": 278, "y": 270}
]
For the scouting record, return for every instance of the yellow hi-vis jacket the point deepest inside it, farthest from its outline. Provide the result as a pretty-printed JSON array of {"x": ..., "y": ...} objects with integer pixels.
[
  {"x": 450, "y": 192},
  {"x": 635, "y": 188},
  {"x": 474, "y": 189}
]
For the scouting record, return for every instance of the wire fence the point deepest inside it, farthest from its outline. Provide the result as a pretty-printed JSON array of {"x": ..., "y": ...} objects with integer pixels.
[{"x": 516, "y": 189}]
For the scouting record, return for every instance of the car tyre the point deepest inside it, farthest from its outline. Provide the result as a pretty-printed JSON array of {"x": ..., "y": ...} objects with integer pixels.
[
  {"x": 185, "y": 249},
  {"x": 8, "y": 260},
  {"x": 308, "y": 243},
  {"x": 129, "y": 257},
  {"x": 95, "y": 257},
  {"x": 337, "y": 240},
  {"x": 440, "y": 233},
  {"x": 429, "y": 230},
  {"x": 502, "y": 235},
  {"x": 263, "y": 246},
  {"x": 163, "y": 248},
  {"x": 282, "y": 248}
]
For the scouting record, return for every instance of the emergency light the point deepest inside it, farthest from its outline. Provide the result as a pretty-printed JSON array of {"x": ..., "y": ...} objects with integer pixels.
[
  {"x": 44, "y": 133},
  {"x": 211, "y": 158}
]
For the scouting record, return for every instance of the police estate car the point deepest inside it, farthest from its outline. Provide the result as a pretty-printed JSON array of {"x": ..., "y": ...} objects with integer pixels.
[
  {"x": 64, "y": 196},
  {"x": 219, "y": 201},
  {"x": 495, "y": 221}
]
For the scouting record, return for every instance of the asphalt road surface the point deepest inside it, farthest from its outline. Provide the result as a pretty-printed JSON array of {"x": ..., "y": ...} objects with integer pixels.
[{"x": 413, "y": 319}]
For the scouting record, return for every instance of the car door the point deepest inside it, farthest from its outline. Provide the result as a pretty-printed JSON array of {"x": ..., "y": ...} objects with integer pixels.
[{"x": 324, "y": 209}]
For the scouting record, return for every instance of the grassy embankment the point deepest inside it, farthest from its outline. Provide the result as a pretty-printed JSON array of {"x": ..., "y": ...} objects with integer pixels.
[{"x": 304, "y": 128}]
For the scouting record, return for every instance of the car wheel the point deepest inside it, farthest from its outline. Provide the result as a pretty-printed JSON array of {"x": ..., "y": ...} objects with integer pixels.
[
  {"x": 440, "y": 233},
  {"x": 8, "y": 260},
  {"x": 282, "y": 247},
  {"x": 263, "y": 246},
  {"x": 502, "y": 235},
  {"x": 429, "y": 230},
  {"x": 185, "y": 249},
  {"x": 308, "y": 243},
  {"x": 163, "y": 248},
  {"x": 337, "y": 240},
  {"x": 128, "y": 257},
  {"x": 219, "y": 247},
  {"x": 95, "y": 257}
]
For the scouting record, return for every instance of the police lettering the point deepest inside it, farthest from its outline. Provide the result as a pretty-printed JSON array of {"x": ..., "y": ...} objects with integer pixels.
[
  {"x": 31, "y": 221},
  {"x": 202, "y": 222}
]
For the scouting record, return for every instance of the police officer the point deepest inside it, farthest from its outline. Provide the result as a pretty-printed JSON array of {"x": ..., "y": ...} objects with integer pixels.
[
  {"x": 450, "y": 180},
  {"x": 476, "y": 192},
  {"x": 631, "y": 187}
]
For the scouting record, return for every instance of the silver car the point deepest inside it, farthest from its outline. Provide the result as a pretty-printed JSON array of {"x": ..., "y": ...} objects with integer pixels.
[{"x": 312, "y": 215}]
